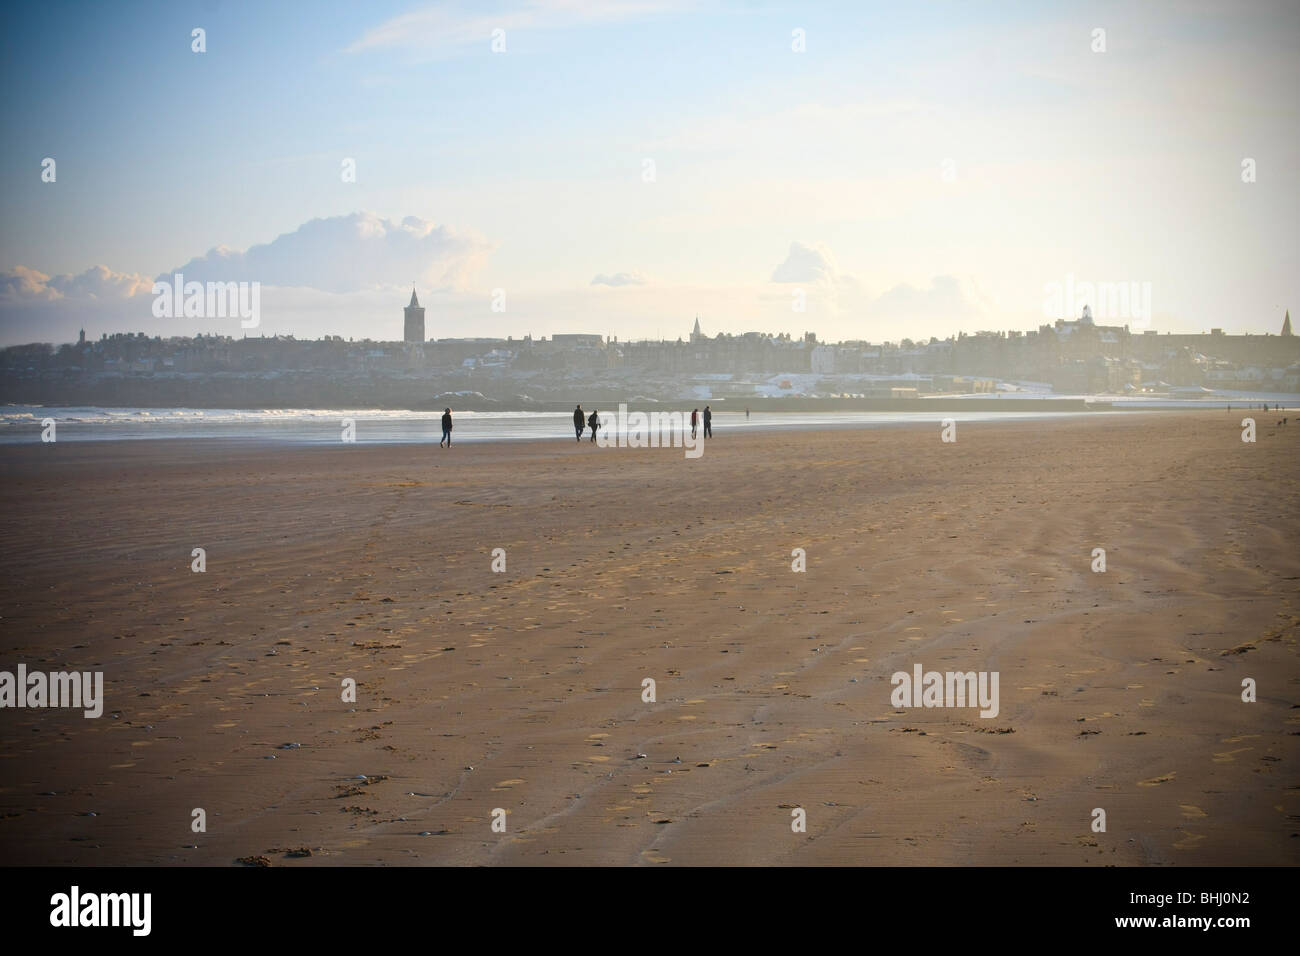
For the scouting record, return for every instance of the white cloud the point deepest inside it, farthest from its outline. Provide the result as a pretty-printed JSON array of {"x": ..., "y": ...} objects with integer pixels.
[
  {"x": 350, "y": 254},
  {"x": 343, "y": 269},
  {"x": 35, "y": 307},
  {"x": 839, "y": 305},
  {"x": 806, "y": 262},
  {"x": 24, "y": 285}
]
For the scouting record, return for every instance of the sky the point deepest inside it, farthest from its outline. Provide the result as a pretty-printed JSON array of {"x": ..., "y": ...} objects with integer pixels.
[{"x": 862, "y": 170}]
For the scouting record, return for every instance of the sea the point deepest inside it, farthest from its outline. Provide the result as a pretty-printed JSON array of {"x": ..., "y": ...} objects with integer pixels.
[{"x": 26, "y": 423}]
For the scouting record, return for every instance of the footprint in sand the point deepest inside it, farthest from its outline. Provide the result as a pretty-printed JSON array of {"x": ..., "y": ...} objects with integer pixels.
[
  {"x": 1156, "y": 781},
  {"x": 1226, "y": 756}
]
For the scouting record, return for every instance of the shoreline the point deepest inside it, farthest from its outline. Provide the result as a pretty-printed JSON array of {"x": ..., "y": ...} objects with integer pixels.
[{"x": 284, "y": 430}]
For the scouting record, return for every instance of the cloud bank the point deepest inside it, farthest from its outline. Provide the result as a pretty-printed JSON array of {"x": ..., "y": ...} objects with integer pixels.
[
  {"x": 22, "y": 284},
  {"x": 333, "y": 258},
  {"x": 806, "y": 262},
  {"x": 351, "y": 253},
  {"x": 839, "y": 302}
]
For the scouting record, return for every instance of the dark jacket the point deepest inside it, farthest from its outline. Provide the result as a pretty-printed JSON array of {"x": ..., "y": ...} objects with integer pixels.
[
  {"x": 577, "y": 418},
  {"x": 446, "y": 421}
]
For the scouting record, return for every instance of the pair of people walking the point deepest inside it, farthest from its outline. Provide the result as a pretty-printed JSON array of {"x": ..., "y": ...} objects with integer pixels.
[
  {"x": 580, "y": 422},
  {"x": 708, "y": 422}
]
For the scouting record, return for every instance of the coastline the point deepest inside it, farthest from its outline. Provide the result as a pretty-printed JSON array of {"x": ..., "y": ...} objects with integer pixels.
[{"x": 30, "y": 424}]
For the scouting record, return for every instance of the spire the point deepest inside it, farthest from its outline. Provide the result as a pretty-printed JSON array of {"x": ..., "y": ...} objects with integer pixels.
[
  {"x": 1286, "y": 323},
  {"x": 695, "y": 333},
  {"x": 415, "y": 303}
]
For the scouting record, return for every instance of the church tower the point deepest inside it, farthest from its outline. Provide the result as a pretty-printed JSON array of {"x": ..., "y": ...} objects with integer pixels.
[
  {"x": 413, "y": 330},
  {"x": 1286, "y": 323}
]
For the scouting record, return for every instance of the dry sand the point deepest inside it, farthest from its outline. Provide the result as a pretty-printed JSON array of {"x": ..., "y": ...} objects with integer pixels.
[{"x": 523, "y": 690}]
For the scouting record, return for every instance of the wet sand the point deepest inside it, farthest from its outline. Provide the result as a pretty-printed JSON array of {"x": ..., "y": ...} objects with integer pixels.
[{"x": 523, "y": 690}]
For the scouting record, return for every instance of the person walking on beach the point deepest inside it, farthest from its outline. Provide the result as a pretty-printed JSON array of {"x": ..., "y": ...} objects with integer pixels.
[
  {"x": 695, "y": 418},
  {"x": 579, "y": 421},
  {"x": 593, "y": 422},
  {"x": 446, "y": 428},
  {"x": 746, "y": 414},
  {"x": 708, "y": 422}
]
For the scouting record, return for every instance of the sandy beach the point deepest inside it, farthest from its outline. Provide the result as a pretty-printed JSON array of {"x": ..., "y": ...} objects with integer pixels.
[{"x": 522, "y": 690}]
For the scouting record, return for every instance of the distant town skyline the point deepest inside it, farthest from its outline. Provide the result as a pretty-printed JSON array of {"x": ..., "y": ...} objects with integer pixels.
[
  {"x": 1067, "y": 357},
  {"x": 412, "y": 332},
  {"x": 861, "y": 171}
]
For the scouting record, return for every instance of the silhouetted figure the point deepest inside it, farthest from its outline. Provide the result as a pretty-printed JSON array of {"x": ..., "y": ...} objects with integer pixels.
[
  {"x": 446, "y": 428},
  {"x": 594, "y": 424},
  {"x": 746, "y": 414},
  {"x": 708, "y": 422},
  {"x": 695, "y": 421},
  {"x": 579, "y": 421}
]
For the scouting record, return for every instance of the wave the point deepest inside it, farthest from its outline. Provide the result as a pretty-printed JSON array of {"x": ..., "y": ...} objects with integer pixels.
[{"x": 27, "y": 414}]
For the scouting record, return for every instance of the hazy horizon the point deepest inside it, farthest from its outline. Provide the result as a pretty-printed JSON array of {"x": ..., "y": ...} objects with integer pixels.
[{"x": 619, "y": 168}]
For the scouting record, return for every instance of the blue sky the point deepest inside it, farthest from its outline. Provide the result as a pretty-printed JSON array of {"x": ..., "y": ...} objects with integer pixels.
[{"x": 918, "y": 170}]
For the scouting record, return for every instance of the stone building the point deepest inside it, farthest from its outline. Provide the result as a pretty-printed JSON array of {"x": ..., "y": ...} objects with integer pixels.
[{"x": 413, "y": 329}]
